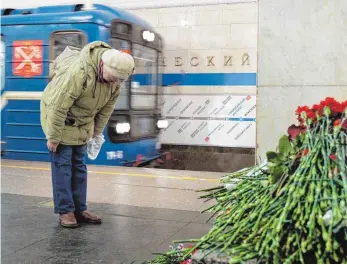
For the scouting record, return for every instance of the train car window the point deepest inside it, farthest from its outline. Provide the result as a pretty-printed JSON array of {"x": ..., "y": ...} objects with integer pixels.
[
  {"x": 118, "y": 128},
  {"x": 145, "y": 81},
  {"x": 143, "y": 126},
  {"x": 121, "y": 45},
  {"x": 2, "y": 63},
  {"x": 123, "y": 100},
  {"x": 143, "y": 92},
  {"x": 122, "y": 128},
  {"x": 60, "y": 40}
]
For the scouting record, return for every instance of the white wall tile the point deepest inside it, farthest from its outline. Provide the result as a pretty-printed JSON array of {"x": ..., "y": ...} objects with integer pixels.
[
  {"x": 149, "y": 15},
  {"x": 297, "y": 37},
  {"x": 197, "y": 31},
  {"x": 243, "y": 36},
  {"x": 204, "y": 17},
  {"x": 243, "y": 13},
  {"x": 172, "y": 17},
  {"x": 302, "y": 60},
  {"x": 172, "y": 10},
  {"x": 210, "y": 37},
  {"x": 199, "y": 8},
  {"x": 170, "y": 36},
  {"x": 175, "y": 38}
]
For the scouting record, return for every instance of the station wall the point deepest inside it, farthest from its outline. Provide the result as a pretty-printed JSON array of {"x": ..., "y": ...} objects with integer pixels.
[
  {"x": 211, "y": 57},
  {"x": 212, "y": 50},
  {"x": 302, "y": 60}
]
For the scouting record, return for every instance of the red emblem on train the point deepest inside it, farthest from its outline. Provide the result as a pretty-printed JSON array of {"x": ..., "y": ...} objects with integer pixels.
[{"x": 27, "y": 58}]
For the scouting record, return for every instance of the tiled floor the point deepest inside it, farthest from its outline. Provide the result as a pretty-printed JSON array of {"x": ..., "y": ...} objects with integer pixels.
[{"x": 143, "y": 210}]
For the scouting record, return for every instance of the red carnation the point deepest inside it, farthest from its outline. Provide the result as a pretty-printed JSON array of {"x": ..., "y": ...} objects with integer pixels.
[
  {"x": 319, "y": 109},
  {"x": 336, "y": 108},
  {"x": 333, "y": 157},
  {"x": 316, "y": 107},
  {"x": 294, "y": 131},
  {"x": 311, "y": 115},
  {"x": 300, "y": 110},
  {"x": 302, "y": 153},
  {"x": 333, "y": 105},
  {"x": 328, "y": 102},
  {"x": 305, "y": 152},
  {"x": 344, "y": 105},
  {"x": 191, "y": 246},
  {"x": 337, "y": 122}
]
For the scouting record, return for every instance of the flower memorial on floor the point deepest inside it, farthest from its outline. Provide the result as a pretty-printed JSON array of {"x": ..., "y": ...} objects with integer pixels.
[{"x": 290, "y": 209}]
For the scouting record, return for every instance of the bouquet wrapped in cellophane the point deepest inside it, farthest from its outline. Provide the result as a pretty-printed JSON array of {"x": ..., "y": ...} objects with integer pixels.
[{"x": 290, "y": 209}]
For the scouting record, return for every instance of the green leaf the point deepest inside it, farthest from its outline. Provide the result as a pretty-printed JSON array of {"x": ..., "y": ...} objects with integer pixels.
[
  {"x": 276, "y": 173},
  {"x": 282, "y": 157},
  {"x": 264, "y": 183},
  {"x": 284, "y": 145},
  {"x": 272, "y": 157}
]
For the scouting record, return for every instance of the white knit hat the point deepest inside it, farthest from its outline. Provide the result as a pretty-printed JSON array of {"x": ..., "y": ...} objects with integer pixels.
[{"x": 118, "y": 64}]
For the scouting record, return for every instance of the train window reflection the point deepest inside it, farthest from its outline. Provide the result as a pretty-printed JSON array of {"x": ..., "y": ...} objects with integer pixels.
[
  {"x": 121, "y": 45},
  {"x": 60, "y": 40},
  {"x": 145, "y": 81},
  {"x": 123, "y": 100},
  {"x": 143, "y": 126}
]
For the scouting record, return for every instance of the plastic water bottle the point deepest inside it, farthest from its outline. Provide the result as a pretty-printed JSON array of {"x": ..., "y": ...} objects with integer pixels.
[{"x": 94, "y": 146}]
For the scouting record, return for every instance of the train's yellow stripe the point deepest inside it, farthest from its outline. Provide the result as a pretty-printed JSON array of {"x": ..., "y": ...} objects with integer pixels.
[{"x": 115, "y": 173}]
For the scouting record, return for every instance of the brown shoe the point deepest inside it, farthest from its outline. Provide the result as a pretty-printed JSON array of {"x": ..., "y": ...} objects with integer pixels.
[
  {"x": 88, "y": 217},
  {"x": 68, "y": 220}
]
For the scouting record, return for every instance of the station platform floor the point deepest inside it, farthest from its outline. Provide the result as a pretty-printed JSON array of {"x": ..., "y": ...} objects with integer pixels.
[{"x": 143, "y": 210}]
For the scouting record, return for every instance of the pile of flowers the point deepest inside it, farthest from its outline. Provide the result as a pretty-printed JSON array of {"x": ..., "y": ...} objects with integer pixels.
[
  {"x": 293, "y": 207},
  {"x": 178, "y": 254}
]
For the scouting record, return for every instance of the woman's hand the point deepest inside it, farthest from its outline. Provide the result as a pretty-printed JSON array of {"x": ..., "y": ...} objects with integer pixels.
[
  {"x": 96, "y": 134},
  {"x": 52, "y": 146}
]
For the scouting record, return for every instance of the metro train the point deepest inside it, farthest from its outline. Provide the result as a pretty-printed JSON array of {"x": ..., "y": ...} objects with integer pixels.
[{"x": 32, "y": 38}]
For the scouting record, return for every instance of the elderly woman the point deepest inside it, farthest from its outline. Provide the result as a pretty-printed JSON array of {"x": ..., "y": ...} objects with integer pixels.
[{"x": 76, "y": 105}]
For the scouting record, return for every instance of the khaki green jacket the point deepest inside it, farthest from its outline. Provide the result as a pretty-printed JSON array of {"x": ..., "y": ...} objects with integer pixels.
[{"x": 75, "y": 105}]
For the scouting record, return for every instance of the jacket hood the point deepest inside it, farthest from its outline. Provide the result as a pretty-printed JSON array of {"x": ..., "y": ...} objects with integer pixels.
[{"x": 92, "y": 52}]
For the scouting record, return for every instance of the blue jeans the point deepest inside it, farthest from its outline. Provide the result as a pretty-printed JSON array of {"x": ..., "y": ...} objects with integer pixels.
[{"x": 69, "y": 178}]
